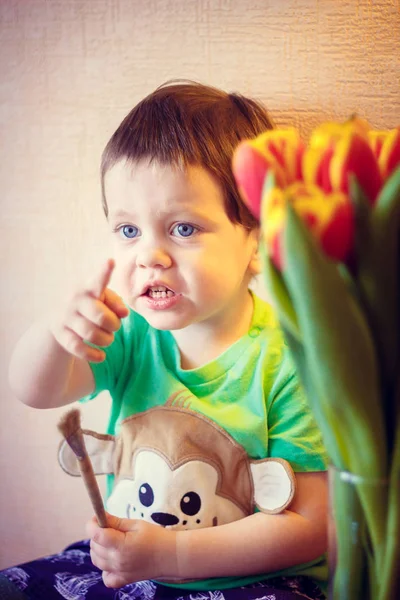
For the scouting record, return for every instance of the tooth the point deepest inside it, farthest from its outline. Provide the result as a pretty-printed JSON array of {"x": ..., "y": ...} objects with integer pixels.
[{"x": 160, "y": 292}]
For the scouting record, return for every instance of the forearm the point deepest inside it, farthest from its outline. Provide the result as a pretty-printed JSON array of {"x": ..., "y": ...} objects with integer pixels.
[
  {"x": 132, "y": 550},
  {"x": 41, "y": 371},
  {"x": 257, "y": 544}
]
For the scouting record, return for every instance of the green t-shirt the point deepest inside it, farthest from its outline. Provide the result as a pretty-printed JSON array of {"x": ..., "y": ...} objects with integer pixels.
[{"x": 251, "y": 391}]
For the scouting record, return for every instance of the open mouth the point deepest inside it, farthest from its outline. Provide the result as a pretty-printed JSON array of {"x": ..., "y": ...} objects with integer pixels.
[{"x": 159, "y": 292}]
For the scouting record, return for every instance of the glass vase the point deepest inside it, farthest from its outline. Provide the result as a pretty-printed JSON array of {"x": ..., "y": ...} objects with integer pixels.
[{"x": 353, "y": 573}]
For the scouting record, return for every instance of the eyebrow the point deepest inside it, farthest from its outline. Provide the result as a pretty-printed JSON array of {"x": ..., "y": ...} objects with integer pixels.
[
  {"x": 176, "y": 208},
  {"x": 119, "y": 214}
]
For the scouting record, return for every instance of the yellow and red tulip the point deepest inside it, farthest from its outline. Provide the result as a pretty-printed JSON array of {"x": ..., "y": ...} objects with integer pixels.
[
  {"x": 329, "y": 217},
  {"x": 335, "y": 152},
  {"x": 279, "y": 151},
  {"x": 341, "y": 325},
  {"x": 316, "y": 178},
  {"x": 386, "y": 148}
]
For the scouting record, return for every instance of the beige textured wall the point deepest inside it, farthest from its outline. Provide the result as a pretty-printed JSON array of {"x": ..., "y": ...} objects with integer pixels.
[{"x": 69, "y": 71}]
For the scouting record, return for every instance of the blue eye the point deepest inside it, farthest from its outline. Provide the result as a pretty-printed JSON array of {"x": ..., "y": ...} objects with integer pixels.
[
  {"x": 184, "y": 229},
  {"x": 128, "y": 231}
]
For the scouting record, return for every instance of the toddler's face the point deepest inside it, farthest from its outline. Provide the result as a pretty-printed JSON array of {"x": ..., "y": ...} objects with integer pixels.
[{"x": 179, "y": 259}]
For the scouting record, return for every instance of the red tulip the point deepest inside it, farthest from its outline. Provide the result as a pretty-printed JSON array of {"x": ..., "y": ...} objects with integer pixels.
[
  {"x": 386, "y": 148},
  {"x": 277, "y": 151},
  {"x": 329, "y": 217},
  {"x": 315, "y": 180},
  {"x": 337, "y": 151}
]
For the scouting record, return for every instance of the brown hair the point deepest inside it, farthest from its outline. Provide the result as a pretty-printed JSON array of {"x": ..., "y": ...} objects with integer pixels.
[{"x": 188, "y": 123}]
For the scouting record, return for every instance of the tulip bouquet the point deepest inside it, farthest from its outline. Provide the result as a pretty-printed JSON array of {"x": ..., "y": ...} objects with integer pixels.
[{"x": 330, "y": 219}]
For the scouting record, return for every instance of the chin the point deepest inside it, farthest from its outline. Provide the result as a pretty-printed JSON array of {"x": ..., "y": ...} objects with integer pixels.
[{"x": 166, "y": 324}]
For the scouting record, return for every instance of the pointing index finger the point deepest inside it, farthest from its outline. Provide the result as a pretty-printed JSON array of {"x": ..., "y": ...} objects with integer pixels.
[{"x": 101, "y": 281}]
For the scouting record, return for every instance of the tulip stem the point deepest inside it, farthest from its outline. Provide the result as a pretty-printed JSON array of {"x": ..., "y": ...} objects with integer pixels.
[
  {"x": 390, "y": 580},
  {"x": 349, "y": 525}
]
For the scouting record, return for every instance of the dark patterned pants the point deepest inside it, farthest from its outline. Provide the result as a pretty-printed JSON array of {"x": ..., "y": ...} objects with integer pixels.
[{"x": 71, "y": 575}]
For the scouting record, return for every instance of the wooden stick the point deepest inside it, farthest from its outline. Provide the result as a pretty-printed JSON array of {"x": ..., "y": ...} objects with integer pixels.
[{"x": 70, "y": 427}]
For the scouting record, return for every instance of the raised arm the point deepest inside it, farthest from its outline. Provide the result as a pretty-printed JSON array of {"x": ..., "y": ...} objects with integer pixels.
[{"x": 50, "y": 364}]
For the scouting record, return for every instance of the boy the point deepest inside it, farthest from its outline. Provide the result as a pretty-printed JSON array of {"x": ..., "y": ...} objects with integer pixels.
[{"x": 185, "y": 251}]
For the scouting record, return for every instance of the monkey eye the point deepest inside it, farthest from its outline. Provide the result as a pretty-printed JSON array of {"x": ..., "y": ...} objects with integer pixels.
[
  {"x": 190, "y": 503},
  {"x": 146, "y": 494}
]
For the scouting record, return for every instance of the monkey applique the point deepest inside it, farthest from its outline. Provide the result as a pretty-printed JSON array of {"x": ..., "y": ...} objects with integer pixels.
[{"x": 176, "y": 468}]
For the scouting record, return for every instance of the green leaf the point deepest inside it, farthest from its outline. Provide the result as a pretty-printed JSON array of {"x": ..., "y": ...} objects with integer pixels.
[
  {"x": 269, "y": 183},
  {"x": 339, "y": 351},
  {"x": 390, "y": 575},
  {"x": 327, "y": 428},
  {"x": 378, "y": 279},
  {"x": 281, "y": 299},
  {"x": 273, "y": 279},
  {"x": 378, "y": 268},
  {"x": 341, "y": 365}
]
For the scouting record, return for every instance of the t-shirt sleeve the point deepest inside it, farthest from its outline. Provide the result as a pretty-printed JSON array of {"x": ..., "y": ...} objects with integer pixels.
[{"x": 292, "y": 430}]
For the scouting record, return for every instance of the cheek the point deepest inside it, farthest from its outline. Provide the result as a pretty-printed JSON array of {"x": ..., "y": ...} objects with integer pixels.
[
  {"x": 205, "y": 279},
  {"x": 122, "y": 275}
]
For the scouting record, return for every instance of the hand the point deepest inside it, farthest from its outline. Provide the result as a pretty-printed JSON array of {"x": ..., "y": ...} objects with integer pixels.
[
  {"x": 131, "y": 550},
  {"x": 92, "y": 314}
]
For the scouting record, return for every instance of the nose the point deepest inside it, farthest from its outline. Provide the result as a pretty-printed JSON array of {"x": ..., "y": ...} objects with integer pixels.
[
  {"x": 164, "y": 519},
  {"x": 153, "y": 256}
]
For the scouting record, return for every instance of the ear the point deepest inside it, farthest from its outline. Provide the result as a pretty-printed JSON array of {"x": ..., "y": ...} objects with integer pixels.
[
  {"x": 100, "y": 449},
  {"x": 274, "y": 484},
  {"x": 255, "y": 259}
]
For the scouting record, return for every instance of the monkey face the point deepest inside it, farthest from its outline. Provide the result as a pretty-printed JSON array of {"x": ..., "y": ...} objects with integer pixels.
[
  {"x": 176, "y": 468},
  {"x": 181, "y": 498}
]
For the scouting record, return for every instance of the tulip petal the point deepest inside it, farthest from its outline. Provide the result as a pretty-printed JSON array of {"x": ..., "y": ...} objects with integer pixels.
[
  {"x": 329, "y": 218},
  {"x": 283, "y": 150},
  {"x": 338, "y": 236},
  {"x": 389, "y": 158},
  {"x": 353, "y": 155},
  {"x": 273, "y": 219},
  {"x": 376, "y": 139},
  {"x": 316, "y": 167},
  {"x": 250, "y": 169}
]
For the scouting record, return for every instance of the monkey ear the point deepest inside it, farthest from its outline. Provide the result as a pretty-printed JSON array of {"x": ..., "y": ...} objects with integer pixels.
[
  {"x": 274, "y": 484},
  {"x": 100, "y": 449}
]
